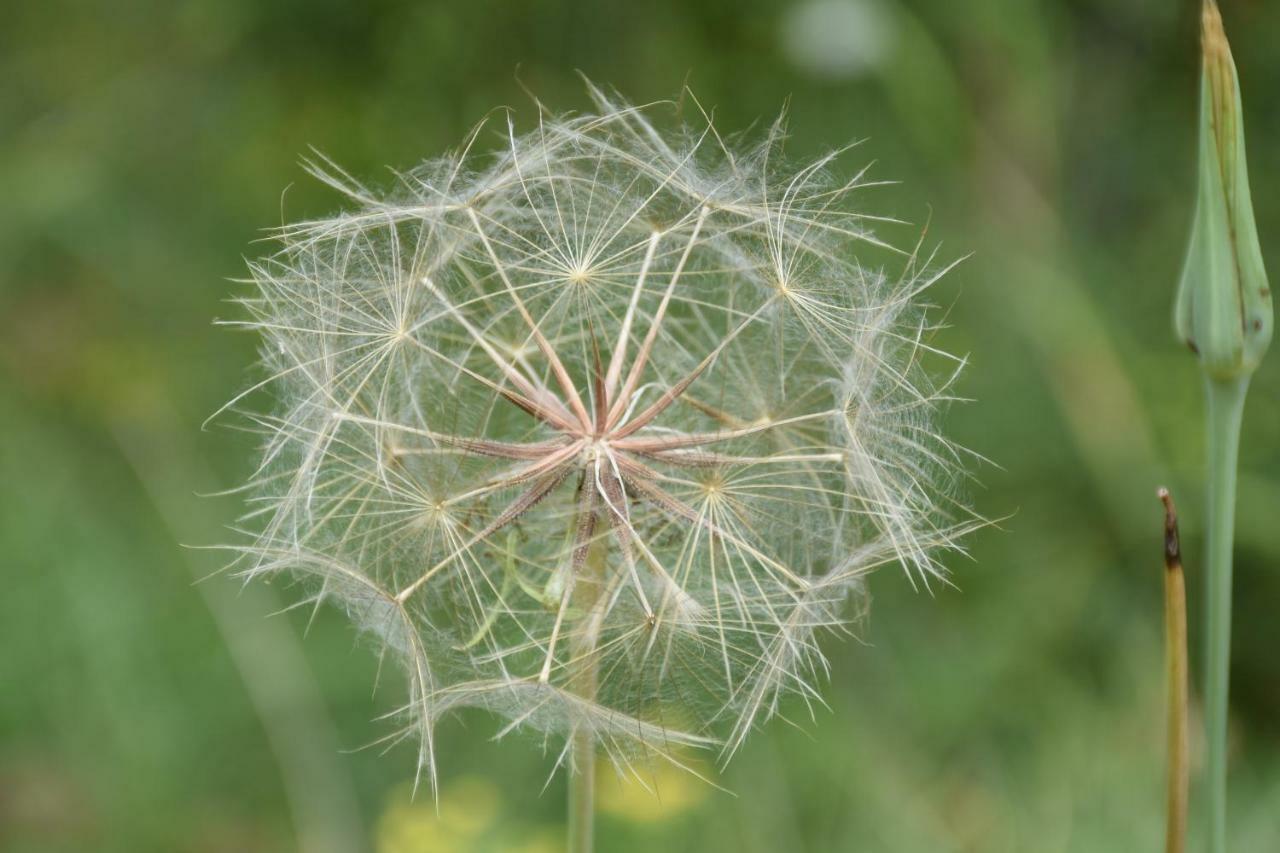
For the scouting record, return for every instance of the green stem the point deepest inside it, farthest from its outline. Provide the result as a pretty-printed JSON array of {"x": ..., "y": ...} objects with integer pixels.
[
  {"x": 585, "y": 683},
  {"x": 582, "y": 786},
  {"x": 1225, "y": 407}
]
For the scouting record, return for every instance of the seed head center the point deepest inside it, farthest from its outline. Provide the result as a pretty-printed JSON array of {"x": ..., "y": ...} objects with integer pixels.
[{"x": 595, "y": 449}]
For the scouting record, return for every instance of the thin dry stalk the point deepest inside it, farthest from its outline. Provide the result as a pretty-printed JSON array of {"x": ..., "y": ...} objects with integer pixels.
[{"x": 1175, "y": 647}]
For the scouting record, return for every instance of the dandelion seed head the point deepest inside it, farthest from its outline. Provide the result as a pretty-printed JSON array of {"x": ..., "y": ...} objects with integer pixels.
[{"x": 614, "y": 400}]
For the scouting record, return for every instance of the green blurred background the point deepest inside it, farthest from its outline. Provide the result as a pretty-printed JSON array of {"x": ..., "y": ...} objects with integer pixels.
[{"x": 144, "y": 146}]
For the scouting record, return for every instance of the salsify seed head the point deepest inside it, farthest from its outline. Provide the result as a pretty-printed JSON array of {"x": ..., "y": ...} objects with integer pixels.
[{"x": 600, "y": 431}]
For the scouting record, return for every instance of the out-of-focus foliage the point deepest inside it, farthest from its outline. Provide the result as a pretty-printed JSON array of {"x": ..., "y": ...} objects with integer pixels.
[{"x": 143, "y": 145}]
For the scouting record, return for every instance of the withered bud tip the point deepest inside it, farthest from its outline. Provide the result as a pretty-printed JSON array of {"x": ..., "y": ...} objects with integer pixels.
[
  {"x": 1213, "y": 39},
  {"x": 1172, "y": 548}
]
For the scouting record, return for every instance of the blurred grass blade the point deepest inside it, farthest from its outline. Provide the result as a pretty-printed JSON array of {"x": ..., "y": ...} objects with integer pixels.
[
  {"x": 266, "y": 653},
  {"x": 1175, "y": 644}
]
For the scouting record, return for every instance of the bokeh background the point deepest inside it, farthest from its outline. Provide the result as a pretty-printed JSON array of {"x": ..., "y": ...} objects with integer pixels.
[{"x": 144, "y": 147}]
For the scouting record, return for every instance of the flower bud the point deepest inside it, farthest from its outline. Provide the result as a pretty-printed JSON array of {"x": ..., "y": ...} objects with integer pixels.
[{"x": 1223, "y": 311}]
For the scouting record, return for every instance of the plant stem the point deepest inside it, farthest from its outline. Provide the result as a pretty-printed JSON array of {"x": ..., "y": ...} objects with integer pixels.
[
  {"x": 585, "y": 681},
  {"x": 1225, "y": 400},
  {"x": 582, "y": 785},
  {"x": 1175, "y": 646}
]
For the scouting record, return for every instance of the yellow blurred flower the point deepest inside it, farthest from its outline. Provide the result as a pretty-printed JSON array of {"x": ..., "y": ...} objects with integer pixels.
[
  {"x": 414, "y": 825},
  {"x": 668, "y": 791},
  {"x": 541, "y": 841}
]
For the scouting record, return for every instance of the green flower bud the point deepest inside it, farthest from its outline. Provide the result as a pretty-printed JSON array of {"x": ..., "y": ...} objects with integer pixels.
[{"x": 1223, "y": 311}]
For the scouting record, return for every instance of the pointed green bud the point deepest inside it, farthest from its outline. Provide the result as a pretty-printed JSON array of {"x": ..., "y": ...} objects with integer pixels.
[{"x": 1224, "y": 311}]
